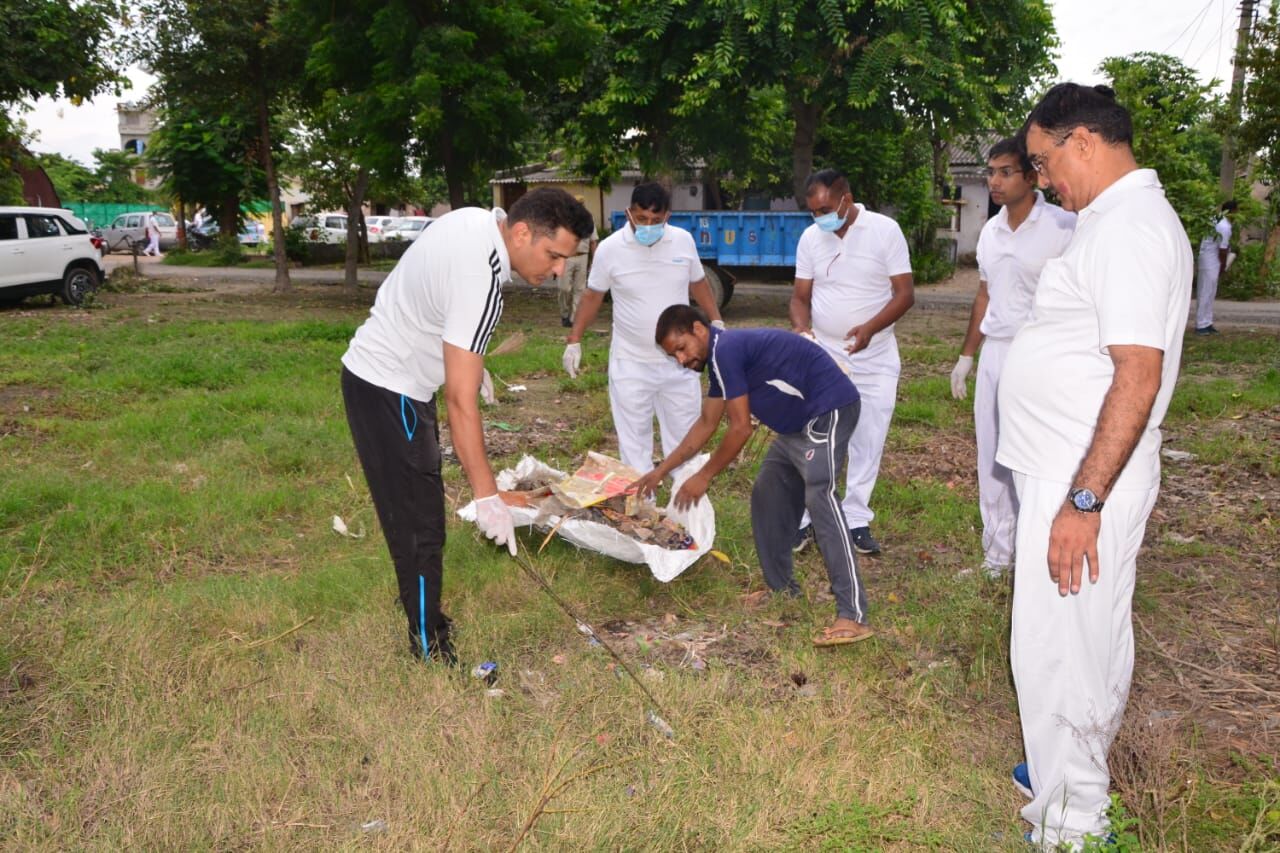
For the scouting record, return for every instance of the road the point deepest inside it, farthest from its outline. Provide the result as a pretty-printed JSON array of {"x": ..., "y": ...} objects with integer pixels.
[{"x": 956, "y": 293}]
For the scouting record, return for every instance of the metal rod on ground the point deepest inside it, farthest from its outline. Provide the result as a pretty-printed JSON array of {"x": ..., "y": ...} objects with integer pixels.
[{"x": 586, "y": 629}]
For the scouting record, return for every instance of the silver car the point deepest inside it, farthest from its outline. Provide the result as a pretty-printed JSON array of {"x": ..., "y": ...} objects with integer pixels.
[{"x": 130, "y": 228}]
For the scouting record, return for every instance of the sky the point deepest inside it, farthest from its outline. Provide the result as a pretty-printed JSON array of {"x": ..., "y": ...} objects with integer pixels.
[{"x": 1199, "y": 32}]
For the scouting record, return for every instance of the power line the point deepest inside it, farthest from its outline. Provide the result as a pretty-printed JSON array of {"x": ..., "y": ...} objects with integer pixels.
[
  {"x": 1191, "y": 41},
  {"x": 1179, "y": 36}
]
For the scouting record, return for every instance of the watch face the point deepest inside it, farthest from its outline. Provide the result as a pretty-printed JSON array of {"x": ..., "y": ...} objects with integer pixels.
[{"x": 1083, "y": 499}]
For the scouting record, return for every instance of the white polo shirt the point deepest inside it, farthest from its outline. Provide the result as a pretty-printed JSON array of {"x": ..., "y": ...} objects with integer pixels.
[
  {"x": 1010, "y": 262},
  {"x": 644, "y": 281},
  {"x": 446, "y": 288},
  {"x": 851, "y": 283},
  {"x": 1125, "y": 279}
]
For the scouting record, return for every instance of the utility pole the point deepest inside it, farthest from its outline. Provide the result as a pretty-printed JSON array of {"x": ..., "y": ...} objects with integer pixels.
[{"x": 1227, "y": 176}]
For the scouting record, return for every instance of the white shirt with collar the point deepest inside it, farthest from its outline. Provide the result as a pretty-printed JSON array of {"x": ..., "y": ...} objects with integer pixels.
[
  {"x": 851, "y": 284},
  {"x": 447, "y": 288},
  {"x": 644, "y": 281},
  {"x": 1010, "y": 261},
  {"x": 1124, "y": 279},
  {"x": 1219, "y": 239}
]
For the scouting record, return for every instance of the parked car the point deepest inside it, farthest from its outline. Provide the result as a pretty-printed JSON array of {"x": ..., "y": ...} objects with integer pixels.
[
  {"x": 129, "y": 228},
  {"x": 409, "y": 228},
  {"x": 322, "y": 227},
  {"x": 377, "y": 226},
  {"x": 42, "y": 251},
  {"x": 204, "y": 235}
]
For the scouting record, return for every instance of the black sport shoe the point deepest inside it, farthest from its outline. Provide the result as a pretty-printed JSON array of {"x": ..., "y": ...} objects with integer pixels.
[
  {"x": 803, "y": 537},
  {"x": 864, "y": 542},
  {"x": 1207, "y": 330},
  {"x": 566, "y": 322}
]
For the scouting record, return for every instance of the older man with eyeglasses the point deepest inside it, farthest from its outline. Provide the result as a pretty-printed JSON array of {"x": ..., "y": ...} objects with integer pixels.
[
  {"x": 1085, "y": 387},
  {"x": 1012, "y": 249}
]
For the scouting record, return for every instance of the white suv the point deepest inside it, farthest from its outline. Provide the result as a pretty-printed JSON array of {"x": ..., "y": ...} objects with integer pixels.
[{"x": 45, "y": 250}]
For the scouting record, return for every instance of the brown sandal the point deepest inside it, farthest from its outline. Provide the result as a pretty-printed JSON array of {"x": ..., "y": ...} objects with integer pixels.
[{"x": 842, "y": 636}]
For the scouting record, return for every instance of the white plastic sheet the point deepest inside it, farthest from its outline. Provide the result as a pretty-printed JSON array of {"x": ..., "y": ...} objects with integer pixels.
[{"x": 665, "y": 565}]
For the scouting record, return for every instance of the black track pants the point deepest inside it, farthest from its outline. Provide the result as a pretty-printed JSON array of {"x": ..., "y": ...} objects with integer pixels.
[{"x": 398, "y": 441}]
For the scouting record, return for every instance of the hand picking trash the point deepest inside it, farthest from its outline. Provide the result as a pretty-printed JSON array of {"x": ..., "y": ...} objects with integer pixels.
[{"x": 593, "y": 509}]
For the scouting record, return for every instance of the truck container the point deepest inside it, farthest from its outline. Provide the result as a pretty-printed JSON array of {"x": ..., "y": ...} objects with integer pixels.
[{"x": 735, "y": 239}]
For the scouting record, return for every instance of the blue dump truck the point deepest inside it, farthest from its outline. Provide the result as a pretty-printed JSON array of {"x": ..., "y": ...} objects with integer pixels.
[{"x": 737, "y": 239}]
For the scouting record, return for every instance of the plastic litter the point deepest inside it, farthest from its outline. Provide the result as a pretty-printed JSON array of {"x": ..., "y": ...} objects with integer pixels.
[
  {"x": 486, "y": 672},
  {"x": 373, "y": 827},
  {"x": 660, "y": 724}
]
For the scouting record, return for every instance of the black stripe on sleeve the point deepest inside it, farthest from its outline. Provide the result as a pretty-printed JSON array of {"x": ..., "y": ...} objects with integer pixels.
[{"x": 492, "y": 309}]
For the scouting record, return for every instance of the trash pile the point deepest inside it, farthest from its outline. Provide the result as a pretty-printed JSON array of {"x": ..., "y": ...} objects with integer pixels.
[{"x": 591, "y": 509}]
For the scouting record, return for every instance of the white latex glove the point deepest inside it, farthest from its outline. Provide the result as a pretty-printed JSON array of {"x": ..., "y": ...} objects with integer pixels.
[
  {"x": 717, "y": 324},
  {"x": 572, "y": 359},
  {"x": 495, "y": 522},
  {"x": 486, "y": 389},
  {"x": 958, "y": 375}
]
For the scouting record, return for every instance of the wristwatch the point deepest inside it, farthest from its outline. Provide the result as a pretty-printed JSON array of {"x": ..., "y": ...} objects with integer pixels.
[{"x": 1084, "y": 500}]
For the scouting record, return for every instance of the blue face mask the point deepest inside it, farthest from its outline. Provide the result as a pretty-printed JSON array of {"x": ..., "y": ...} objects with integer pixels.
[
  {"x": 647, "y": 235},
  {"x": 830, "y": 221}
]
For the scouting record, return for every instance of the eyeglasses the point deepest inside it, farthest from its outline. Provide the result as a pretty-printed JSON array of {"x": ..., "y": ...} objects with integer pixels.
[
  {"x": 1038, "y": 160},
  {"x": 1004, "y": 172}
]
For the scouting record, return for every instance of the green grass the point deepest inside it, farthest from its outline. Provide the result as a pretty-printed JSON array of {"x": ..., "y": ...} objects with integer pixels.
[
  {"x": 192, "y": 659},
  {"x": 250, "y": 259}
]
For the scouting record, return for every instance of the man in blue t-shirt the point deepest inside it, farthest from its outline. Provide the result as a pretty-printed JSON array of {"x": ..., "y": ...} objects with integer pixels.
[{"x": 796, "y": 389}]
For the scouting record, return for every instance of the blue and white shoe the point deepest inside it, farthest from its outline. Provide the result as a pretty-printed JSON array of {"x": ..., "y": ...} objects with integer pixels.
[{"x": 1022, "y": 780}]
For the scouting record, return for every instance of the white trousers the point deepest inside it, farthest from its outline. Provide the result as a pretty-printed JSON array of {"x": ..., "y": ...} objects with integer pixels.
[
  {"x": 1206, "y": 290},
  {"x": 153, "y": 245},
  {"x": 997, "y": 500},
  {"x": 879, "y": 394},
  {"x": 638, "y": 390},
  {"x": 1072, "y": 660}
]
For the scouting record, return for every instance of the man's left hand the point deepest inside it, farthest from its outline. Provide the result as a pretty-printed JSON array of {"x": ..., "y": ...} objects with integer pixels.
[
  {"x": 1073, "y": 540},
  {"x": 858, "y": 338},
  {"x": 692, "y": 490}
]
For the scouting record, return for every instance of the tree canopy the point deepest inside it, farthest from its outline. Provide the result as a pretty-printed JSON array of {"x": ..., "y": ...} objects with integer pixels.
[{"x": 1173, "y": 114}]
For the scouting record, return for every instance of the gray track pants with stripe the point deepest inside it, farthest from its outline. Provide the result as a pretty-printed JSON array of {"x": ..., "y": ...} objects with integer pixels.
[{"x": 802, "y": 470}]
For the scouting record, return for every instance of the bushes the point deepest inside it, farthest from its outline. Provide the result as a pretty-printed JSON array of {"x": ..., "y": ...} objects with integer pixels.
[{"x": 1245, "y": 280}]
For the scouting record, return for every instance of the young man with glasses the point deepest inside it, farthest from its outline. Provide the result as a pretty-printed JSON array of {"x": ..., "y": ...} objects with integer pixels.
[
  {"x": 1085, "y": 386},
  {"x": 853, "y": 282},
  {"x": 1012, "y": 249}
]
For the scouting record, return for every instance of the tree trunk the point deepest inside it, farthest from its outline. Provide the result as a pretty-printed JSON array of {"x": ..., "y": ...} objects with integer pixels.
[
  {"x": 283, "y": 284},
  {"x": 354, "y": 221},
  {"x": 802, "y": 142},
  {"x": 452, "y": 172},
  {"x": 229, "y": 215},
  {"x": 182, "y": 225}
]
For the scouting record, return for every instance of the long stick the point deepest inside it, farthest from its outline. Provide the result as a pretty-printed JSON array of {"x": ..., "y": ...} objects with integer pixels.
[{"x": 584, "y": 627}]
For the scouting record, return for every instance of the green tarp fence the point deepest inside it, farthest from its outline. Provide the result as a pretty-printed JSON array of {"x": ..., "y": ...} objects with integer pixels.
[{"x": 99, "y": 215}]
